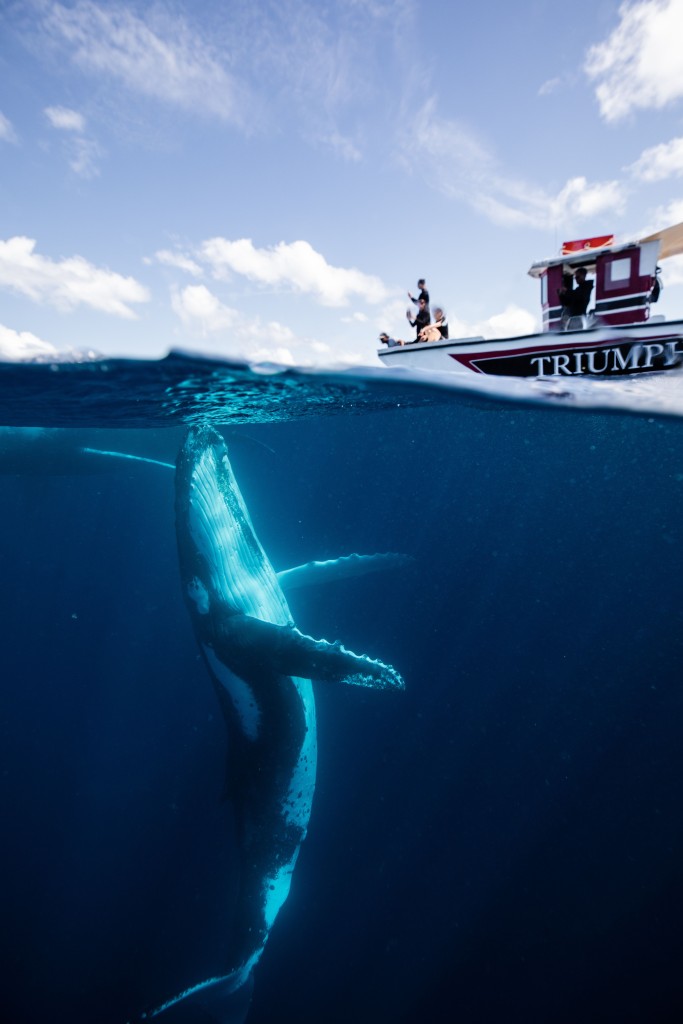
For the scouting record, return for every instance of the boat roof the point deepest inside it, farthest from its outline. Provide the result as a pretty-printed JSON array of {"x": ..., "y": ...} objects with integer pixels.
[
  {"x": 670, "y": 242},
  {"x": 670, "y": 239}
]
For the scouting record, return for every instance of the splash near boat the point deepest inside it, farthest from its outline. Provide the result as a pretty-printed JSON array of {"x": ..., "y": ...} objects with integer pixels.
[{"x": 618, "y": 336}]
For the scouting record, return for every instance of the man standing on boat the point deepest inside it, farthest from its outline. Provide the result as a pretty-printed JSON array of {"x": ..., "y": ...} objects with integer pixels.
[
  {"x": 424, "y": 294},
  {"x": 575, "y": 300}
]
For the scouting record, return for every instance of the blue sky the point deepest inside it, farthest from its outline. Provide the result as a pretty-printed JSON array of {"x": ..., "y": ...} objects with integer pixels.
[{"x": 269, "y": 179}]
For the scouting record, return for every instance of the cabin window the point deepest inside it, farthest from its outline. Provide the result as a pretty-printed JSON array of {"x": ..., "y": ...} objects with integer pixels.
[
  {"x": 544, "y": 289},
  {"x": 618, "y": 273}
]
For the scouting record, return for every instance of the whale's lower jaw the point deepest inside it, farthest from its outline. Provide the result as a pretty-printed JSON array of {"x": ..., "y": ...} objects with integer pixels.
[{"x": 223, "y": 554}]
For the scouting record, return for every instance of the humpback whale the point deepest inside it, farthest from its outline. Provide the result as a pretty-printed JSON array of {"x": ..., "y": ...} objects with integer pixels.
[{"x": 262, "y": 667}]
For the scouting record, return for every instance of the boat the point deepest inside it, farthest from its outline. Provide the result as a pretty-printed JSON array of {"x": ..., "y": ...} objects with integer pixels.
[{"x": 618, "y": 336}]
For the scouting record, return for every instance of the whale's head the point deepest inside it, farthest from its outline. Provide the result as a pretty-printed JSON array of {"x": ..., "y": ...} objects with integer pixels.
[{"x": 221, "y": 558}]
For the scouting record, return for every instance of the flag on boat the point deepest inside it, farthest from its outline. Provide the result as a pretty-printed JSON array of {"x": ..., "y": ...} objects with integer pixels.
[{"x": 587, "y": 244}]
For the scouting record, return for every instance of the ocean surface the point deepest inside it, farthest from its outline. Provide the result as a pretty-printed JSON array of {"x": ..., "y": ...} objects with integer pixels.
[{"x": 500, "y": 843}]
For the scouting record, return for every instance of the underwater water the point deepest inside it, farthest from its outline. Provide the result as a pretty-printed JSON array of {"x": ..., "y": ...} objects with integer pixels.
[{"x": 502, "y": 841}]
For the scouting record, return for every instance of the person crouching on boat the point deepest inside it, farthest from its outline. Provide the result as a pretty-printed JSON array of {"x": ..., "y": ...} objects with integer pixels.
[
  {"x": 436, "y": 331},
  {"x": 391, "y": 342}
]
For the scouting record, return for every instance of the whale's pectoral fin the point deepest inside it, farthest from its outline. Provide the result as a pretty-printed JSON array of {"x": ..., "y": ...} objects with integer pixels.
[
  {"x": 313, "y": 573},
  {"x": 285, "y": 650},
  {"x": 125, "y": 455}
]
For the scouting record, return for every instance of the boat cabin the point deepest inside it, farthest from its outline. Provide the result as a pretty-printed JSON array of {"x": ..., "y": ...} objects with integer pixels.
[{"x": 624, "y": 278}]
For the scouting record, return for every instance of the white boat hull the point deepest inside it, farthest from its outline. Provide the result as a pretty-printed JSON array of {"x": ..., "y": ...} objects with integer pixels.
[{"x": 600, "y": 351}]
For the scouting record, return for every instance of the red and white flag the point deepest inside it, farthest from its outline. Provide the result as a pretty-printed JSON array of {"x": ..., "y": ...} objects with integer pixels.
[{"x": 587, "y": 244}]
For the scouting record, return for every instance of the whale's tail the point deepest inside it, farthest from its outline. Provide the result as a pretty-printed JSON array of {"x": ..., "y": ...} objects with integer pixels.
[
  {"x": 228, "y": 1006},
  {"x": 224, "y": 1000}
]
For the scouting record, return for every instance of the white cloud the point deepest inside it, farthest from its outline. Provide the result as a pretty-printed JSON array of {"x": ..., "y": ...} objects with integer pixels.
[
  {"x": 66, "y": 283},
  {"x": 455, "y": 142},
  {"x": 673, "y": 271},
  {"x": 85, "y": 154},
  {"x": 258, "y": 67},
  {"x": 178, "y": 260},
  {"x": 160, "y": 57},
  {"x": 343, "y": 146},
  {"x": 203, "y": 314},
  {"x": 659, "y": 162},
  {"x": 356, "y": 318},
  {"x": 458, "y": 164},
  {"x": 19, "y": 345},
  {"x": 200, "y": 311},
  {"x": 672, "y": 213},
  {"x": 662, "y": 217},
  {"x": 65, "y": 119},
  {"x": 273, "y": 331},
  {"x": 549, "y": 87},
  {"x": 639, "y": 64},
  {"x": 586, "y": 201},
  {"x": 295, "y": 265},
  {"x": 318, "y": 59},
  {"x": 513, "y": 321},
  {"x": 279, "y": 355},
  {"x": 7, "y": 133}
]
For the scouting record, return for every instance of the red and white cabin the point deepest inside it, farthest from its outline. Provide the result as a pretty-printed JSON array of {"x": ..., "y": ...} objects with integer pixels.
[{"x": 624, "y": 277}]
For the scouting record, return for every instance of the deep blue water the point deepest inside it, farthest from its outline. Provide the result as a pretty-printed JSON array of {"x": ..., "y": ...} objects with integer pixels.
[{"x": 500, "y": 843}]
